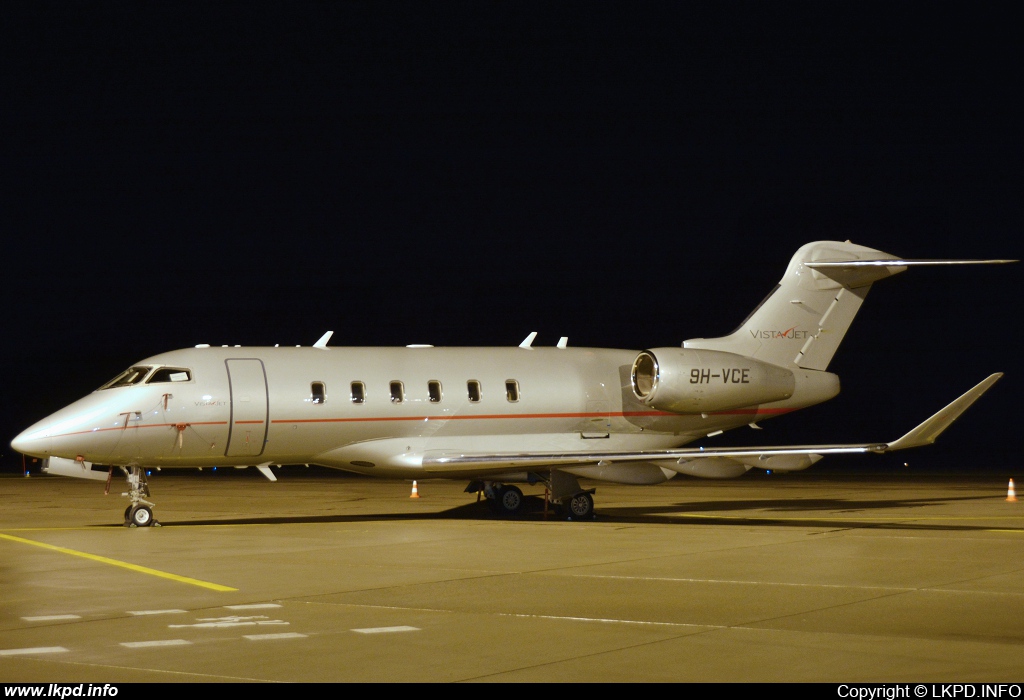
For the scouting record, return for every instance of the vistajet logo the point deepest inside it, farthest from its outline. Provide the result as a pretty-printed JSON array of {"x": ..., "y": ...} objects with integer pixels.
[{"x": 790, "y": 333}]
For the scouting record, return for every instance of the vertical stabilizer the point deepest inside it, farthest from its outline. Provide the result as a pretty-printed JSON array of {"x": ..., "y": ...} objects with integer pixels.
[{"x": 803, "y": 320}]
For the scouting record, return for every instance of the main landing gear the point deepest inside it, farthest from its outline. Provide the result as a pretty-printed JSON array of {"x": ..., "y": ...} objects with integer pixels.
[
  {"x": 505, "y": 500},
  {"x": 573, "y": 502},
  {"x": 139, "y": 513},
  {"x": 579, "y": 507}
]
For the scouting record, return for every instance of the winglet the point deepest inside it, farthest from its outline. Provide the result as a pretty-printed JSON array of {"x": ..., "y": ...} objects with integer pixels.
[
  {"x": 529, "y": 340},
  {"x": 322, "y": 343},
  {"x": 926, "y": 433}
]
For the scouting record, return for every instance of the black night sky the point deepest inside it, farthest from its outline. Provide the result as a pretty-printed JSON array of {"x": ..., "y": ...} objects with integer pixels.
[{"x": 626, "y": 174}]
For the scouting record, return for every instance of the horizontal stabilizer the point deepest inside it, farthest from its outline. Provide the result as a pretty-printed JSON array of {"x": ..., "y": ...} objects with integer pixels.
[{"x": 857, "y": 273}]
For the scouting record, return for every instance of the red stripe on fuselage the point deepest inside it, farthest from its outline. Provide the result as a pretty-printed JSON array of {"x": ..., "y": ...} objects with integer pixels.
[
  {"x": 485, "y": 416},
  {"x": 146, "y": 425}
]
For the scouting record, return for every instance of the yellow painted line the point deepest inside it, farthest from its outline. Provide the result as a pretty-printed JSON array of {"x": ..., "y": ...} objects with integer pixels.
[
  {"x": 122, "y": 564},
  {"x": 840, "y": 517}
]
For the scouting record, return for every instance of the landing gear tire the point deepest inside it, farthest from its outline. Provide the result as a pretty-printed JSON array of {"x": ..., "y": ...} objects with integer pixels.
[
  {"x": 127, "y": 513},
  {"x": 579, "y": 507},
  {"x": 508, "y": 501},
  {"x": 140, "y": 516}
]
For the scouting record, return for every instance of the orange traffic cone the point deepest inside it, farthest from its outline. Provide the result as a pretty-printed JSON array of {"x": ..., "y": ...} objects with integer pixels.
[
  {"x": 1011, "y": 495},
  {"x": 415, "y": 492}
]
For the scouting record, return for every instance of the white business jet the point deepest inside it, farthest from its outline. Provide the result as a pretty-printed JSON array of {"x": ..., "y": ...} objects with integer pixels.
[{"x": 495, "y": 417}]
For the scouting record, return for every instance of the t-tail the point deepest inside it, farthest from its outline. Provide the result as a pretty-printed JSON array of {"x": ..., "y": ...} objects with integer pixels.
[{"x": 804, "y": 319}]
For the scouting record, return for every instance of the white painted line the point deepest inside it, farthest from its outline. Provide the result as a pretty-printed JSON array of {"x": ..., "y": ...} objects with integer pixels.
[
  {"x": 32, "y": 650},
  {"x": 155, "y": 612},
  {"x": 252, "y": 606},
  {"x": 848, "y": 586},
  {"x": 746, "y": 583},
  {"x": 233, "y": 621},
  {"x": 381, "y": 630},
  {"x": 49, "y": 618},
  {"x": 282, "y": 635},
  {"x": 156, "y": 643},
  {"x": 619, "y": 622}
]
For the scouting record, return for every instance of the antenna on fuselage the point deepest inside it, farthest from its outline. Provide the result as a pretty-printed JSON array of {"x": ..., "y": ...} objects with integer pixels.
[
  {"x": 322, "y": 343},
  {"x": 563, "y": 342},
  {"x": 529, "y": 340}
]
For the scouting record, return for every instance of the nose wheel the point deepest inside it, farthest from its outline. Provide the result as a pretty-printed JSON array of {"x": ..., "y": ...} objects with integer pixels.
[
  {"x": 139, "y": 516},
  {"x": 140, "y": 512}
]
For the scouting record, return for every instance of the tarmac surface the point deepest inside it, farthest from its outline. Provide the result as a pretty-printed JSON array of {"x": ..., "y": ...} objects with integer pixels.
[{"x": 900, "y": 577}]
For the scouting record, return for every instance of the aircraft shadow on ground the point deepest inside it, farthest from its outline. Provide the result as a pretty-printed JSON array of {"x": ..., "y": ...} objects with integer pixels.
[
  {"x": 800, "y": 505},
  {"x": 798, "y": 512},
  {"x": 719, "y": 513}
]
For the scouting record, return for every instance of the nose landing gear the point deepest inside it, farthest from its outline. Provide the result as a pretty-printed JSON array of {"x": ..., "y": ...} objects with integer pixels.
[{"x": 140, "y": 512}]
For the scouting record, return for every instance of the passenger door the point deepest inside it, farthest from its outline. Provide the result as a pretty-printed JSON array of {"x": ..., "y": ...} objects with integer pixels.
[{"x": 250, "y": 412}]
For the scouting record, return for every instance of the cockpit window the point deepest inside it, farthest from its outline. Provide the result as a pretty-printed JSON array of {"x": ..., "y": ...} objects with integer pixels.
[
  {"x": 170, "y": 374},
  {"x": 133, "y": 375}
]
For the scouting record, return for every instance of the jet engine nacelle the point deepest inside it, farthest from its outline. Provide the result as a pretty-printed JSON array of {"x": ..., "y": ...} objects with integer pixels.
[{"x": 686, "y": 380}]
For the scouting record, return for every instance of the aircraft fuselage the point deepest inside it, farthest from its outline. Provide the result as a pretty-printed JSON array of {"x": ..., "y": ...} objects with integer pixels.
[{"x": 377, "y": 410}]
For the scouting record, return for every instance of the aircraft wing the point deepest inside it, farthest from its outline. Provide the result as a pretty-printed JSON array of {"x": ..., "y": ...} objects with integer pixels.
[{"x": 923, "y": 434}]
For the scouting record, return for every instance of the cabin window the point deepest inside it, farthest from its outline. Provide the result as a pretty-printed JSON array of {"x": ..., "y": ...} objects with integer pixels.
[
  {"x": 132, "y": 375},
  {"x": 473, "y": 390},
  {"x": 397, "y": 392},
  {"x": 318, "y": 391},
  {"x": 170, "y": 374},
  {"x": 511, "y": 390},
  {"x": 434, "y": 391},
  {"x": 358, "y": 392}
]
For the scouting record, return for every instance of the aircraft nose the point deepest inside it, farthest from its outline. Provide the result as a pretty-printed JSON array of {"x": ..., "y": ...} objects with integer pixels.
[{"x": 32, "y": 442}]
